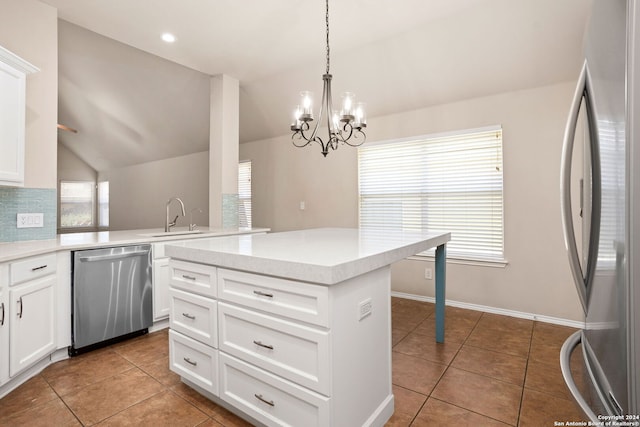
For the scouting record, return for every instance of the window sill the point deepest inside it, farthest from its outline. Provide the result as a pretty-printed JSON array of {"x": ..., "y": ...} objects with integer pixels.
[{"x": 498, "y": 263}]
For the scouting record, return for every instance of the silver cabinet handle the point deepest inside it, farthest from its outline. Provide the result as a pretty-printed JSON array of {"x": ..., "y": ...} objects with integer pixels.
[
  {"x": 263, "y": 294},
  {"x": 258, "y": 343},
  {"x": 189, "y": 316},
  {"x": 39, "y": 268},
  {"x": 2, "y": 318},
  {"x": 92, "y": 258},
  {"x": 188, "y": 277},
  {"x": 262, "y": 399},
  {"x": 20, "y": 312},
  {"x": 582, "y": 282},
  {"x": 189, "y": 361}
]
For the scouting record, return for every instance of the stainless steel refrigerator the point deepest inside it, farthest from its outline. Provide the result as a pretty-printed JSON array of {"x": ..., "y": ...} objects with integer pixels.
[{"x": 606, "y": 265}]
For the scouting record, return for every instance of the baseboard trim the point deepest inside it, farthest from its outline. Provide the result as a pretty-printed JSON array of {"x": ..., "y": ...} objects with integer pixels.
[{"x": 494, "y": 310}]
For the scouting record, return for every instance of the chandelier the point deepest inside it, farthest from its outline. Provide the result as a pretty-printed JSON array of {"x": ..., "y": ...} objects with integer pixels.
[{"x": 345, "y": 127}]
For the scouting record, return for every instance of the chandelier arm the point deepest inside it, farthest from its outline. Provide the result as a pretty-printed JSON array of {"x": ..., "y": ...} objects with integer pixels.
[
  {"x": 355, "y": 137},
  {"x": 329, "y": 105}
]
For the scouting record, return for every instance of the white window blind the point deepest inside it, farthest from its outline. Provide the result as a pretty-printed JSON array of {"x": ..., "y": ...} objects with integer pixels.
[
  {"x": 76, "y": 204},
  {"x": 244, "y": 194},
  {"x": 103, "y": 204},
  {"x": 445, "y": 183}
]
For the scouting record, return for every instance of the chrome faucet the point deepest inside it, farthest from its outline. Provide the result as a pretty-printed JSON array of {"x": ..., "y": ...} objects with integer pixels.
[
  {"x": 167, "y": 224},
  {"x": 192, "y": 225}
]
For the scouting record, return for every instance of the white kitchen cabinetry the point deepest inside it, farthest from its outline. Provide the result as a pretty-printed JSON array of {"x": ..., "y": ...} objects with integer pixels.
[
  {"x": 160, "y": 278},
  {"x": 4, "y": 323},
  {"x": 13, "y": 72},
  {"x": 286, "y": 352},
  {"x": 29, "y": 330},
  {"x": 193, "y": 337}
]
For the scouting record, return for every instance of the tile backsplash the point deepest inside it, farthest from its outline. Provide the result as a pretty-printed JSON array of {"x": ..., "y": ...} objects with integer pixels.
[
  {"x": 230, "y": 210},
  {"x": 27, "y": 200}
]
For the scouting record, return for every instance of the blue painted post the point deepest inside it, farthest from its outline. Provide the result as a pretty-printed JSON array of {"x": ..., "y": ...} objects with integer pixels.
[{"x": 441, "y": 267}]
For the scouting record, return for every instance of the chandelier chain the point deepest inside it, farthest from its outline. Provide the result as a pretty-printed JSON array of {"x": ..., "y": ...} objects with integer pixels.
[{"x": 327, "y": 22}]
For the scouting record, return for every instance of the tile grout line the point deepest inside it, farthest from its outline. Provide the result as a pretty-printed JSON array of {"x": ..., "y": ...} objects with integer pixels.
[
  {"x": 443, "y": 372},
  {"x": 61, "y": 399},
  {"x": 526, "y": 369}
]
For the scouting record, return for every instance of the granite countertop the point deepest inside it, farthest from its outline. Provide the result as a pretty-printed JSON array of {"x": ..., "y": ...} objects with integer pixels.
[
  {"x": 324, "y": 255},
  {"x": 72, "y": 241}
]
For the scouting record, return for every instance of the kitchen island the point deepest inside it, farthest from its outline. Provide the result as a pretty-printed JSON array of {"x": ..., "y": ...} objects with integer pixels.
[{"x": 292, "y": 328}]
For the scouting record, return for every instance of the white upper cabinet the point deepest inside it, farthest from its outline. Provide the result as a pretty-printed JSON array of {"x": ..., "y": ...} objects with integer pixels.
[{"x": 13, "y": 73}]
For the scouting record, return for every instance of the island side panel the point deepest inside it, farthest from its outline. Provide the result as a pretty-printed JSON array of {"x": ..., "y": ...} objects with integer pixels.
[{"x": 361, "y": 350}]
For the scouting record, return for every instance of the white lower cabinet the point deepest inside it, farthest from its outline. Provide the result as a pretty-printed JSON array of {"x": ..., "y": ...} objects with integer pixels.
[
  {"x": 194, "y": 316},
  {"x": 294, "y": 351},
  {"x": 160, "y": 279},
  {"x": 4, "y": 324},
  {"x": 287, "y": 353},
  {"x": 31, "y": 323},
  {"x": 268, "y": 398},
  {"x": 194, "y": 361}
]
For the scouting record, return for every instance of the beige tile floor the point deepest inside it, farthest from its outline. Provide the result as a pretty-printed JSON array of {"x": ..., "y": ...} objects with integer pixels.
[{"x": 491, "y": 371}]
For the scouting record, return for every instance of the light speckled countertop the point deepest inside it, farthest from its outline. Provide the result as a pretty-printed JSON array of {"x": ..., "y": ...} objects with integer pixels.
[
  {"x": 324, "y": 255},
  {"x": 13, "y": 250}
]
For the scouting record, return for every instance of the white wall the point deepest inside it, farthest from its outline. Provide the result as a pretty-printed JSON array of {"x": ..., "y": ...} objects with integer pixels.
[
  {"x": 536, "y": 280},
  {"x": 138, "y": 194},
  {"x": 29, "y": 29},
  {"x": 73, "y": 168}
]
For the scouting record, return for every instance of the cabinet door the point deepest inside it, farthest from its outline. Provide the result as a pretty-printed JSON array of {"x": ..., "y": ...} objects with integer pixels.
[
  {"x": 12, "y": 113},
  {"x": 31, "y": 323},
  {"x": 161, "y": 278},
  {"x": 4, "y": 336}
]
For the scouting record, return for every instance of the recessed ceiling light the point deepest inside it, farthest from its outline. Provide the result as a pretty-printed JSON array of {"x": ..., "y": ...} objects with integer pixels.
[{"x": 168, "y": 37}]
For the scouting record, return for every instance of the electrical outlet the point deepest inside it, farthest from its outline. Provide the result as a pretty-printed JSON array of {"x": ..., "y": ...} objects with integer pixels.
[
  {"x": 364, "y": 308},
  {"x": 428, "y": 273},
  {"x": 302, "y": 206},
  {"x": 30, "y": 220}
]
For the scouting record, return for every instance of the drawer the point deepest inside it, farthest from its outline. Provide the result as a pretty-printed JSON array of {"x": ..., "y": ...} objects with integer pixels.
[
  {"x": 32, "y": 268},
  {"x": 269, "y": 399},
  {"x": 194, "y": 361},
  {"x": 194, "y": 316},
  {"x": 193, "y": 277},
  {"x": 296, "y": 300},
  {"x": 293, "y": 351}
]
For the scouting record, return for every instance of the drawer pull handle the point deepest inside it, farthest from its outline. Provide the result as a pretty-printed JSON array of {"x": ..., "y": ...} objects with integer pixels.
[
  {"x": 190, "y": 362},
  {"x": 263, "y": 294},
  {"x": 188, "y": 277},
  {"x": 20, "y": 312},
  {"x": 262, "y": 399},
  {"x": 189, "y": 316},
  {"x": 2, "y": 320},
  {"x": 39, "y": 268},
  {"x": 270, "y": 347}
]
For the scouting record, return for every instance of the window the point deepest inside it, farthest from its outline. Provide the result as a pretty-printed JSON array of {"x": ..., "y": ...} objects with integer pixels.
[
  {"x": 76, "y": 204},
  {"x": 244, "y": 194},
  {"x": 449, "y": 182},
  {"x": 103, "y": 204}
]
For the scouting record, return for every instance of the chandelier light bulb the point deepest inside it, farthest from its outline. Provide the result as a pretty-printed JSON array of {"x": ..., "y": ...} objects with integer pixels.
[
  {"x": 307, "y": 105},
  {"x": 336, "y": 123},
  {"x": 360, "y": 115},
  {"x": 347, "y": 106}
]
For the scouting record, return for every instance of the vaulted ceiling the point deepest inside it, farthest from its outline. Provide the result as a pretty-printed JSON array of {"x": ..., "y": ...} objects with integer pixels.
[{"x": 151, "y": 102}]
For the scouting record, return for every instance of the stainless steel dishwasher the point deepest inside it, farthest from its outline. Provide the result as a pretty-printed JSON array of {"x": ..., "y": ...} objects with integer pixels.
[{"x": 112, "y": 295}]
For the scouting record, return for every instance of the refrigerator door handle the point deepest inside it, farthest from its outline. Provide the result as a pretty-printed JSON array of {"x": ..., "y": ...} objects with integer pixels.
[
  {"x": 582, "y": 282},
  {"x": 565, "y": 366}
]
